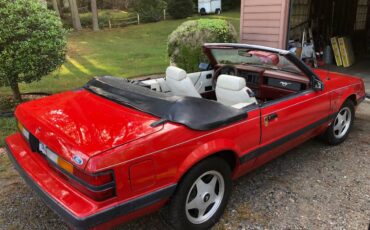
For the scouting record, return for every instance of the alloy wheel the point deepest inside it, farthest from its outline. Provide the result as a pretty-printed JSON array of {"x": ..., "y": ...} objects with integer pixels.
[
  {"x": 205, "y": 197},
  {"x": 342, "y": 122}
]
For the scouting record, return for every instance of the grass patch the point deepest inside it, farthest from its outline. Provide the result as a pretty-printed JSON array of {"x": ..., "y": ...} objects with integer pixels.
[
  {"x": 7, "y": 127},
  {"x": 128, "y": 52},
  {"x": 123, "y": 52}
]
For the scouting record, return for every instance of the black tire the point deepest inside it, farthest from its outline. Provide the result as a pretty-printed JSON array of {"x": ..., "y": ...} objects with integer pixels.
[
  {"x": 176, "y": 214},
  {"x": 218, "y": 11},
  {"x": 202, "y": 11},
  {"x": 331, "y": 135}
]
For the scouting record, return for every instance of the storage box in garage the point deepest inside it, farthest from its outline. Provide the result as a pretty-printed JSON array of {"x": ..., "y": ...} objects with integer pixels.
[
  {"x": 346, "y": 51},
  {"x": 335, "y": 46}
]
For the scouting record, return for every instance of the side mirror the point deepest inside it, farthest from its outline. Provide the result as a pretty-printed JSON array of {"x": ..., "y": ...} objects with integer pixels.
[
  {"x": 204, "y": 66},
  {"x": 318, "y": 85}
]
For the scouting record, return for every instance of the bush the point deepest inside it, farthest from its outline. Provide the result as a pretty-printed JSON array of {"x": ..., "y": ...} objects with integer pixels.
[
  {"x": 32, "y": 43},
  {"x": 150, "y": 10},
  {"x": 185, "y": 43},
  {"x": 230, "y": 4},
  {"x": 180, "y": 8}
]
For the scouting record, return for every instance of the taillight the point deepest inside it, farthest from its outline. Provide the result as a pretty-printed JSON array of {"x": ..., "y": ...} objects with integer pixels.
[
  {"x": 100, "y": 186},
  {"x": 95, "y": 180}
]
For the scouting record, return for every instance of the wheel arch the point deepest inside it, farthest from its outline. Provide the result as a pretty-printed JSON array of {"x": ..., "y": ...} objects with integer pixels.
[
  {"x": 227, "y": 153},
  {"x": 352, "y": 98}
]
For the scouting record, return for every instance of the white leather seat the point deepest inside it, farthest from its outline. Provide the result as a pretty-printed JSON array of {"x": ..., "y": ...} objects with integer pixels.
[
  {"x": 179, "y": 83},
  {"x": 233, "y": 91}
]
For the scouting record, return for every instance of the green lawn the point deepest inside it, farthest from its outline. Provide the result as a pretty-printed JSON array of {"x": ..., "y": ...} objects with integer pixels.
[
  {"x": 132, "y": 51},
  {"x": 123, "y": 52}
]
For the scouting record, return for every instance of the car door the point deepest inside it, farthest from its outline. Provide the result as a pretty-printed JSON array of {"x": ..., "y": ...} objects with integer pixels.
[{"x": 289, "y": 121}]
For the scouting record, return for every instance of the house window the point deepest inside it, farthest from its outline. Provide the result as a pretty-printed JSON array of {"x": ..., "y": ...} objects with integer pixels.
[{"x": 361, "y": 15}]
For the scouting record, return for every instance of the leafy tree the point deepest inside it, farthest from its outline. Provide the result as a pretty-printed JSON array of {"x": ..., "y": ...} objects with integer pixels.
[
  {"x": 180, "y": 8},
  {"x": 32, "y": 43},
  {"x": 230, "y": 4},
  {"x": 185, "y": 43},
  {"x": 150, "y": 10}
]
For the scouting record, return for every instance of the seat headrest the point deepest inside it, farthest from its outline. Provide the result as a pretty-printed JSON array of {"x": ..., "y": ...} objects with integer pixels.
[
  {"x": 231, "y": 82},
  {"x": 175, "y": 73}
]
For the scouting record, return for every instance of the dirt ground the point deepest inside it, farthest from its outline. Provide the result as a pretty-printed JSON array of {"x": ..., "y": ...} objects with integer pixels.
[{"x": 314, "y": 186}]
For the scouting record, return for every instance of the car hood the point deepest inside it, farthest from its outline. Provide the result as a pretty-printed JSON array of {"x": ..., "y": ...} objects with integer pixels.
[{"x": 80, "y": 123}]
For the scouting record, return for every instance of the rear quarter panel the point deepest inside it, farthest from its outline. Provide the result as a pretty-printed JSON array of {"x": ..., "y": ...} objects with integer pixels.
[{"x": 174, "y": 150}]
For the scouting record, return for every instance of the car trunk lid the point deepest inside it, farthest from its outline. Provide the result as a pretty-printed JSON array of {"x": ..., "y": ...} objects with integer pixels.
[{"x": 80, "y": 124}]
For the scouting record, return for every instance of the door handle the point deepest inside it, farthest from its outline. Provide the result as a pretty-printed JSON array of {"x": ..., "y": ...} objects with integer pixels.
[
  {"x": 269, "y": 118},
  {"x": 272, "y": 116}
]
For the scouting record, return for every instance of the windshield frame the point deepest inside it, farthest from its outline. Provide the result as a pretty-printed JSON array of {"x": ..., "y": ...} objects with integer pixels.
[
  {"x": 307, "y": 71},
  {"x": 266, "y": 62}
]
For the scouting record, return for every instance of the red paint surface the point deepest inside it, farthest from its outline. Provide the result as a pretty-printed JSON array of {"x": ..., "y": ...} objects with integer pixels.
[{"x": 110, "y": 136}]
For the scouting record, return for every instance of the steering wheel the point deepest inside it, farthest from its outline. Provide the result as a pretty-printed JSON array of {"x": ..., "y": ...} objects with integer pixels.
[{"x": 226, "y": 69}]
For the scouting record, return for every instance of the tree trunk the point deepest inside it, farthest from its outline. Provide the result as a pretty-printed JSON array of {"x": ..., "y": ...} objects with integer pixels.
[
  {"x": 75, "y": 16},
  {"x": 65, "y": 4},
  {"x": 16, "y": 93},
  {"x": 94, "y": 11},
  {"x": 55, "y": 6},
  {"x": 44, "y": 3}
]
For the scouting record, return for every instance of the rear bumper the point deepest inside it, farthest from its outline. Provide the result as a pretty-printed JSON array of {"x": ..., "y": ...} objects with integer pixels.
[{"x": 75, "y": 209}]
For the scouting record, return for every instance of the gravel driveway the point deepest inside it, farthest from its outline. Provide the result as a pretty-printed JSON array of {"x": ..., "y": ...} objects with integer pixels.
[{"x": 314, "y": 186}]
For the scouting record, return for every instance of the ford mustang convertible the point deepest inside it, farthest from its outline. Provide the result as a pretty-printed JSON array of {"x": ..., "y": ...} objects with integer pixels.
[{"x": 117, "y": 149}]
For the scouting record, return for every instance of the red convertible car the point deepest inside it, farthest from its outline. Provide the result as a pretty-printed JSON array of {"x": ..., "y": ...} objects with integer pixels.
[{"x": 117, "y": 149}]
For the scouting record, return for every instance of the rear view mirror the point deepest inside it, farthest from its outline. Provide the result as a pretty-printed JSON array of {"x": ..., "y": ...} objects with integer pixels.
[
  {"x": 204, "y": 66},
  {"x": 244, "y": 53}
]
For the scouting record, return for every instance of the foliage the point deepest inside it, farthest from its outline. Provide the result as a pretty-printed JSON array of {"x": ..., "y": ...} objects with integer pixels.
[
  {"x": 230, "y": 4},
  {"x": 180, "y": 8},
  {"x": 150, "y": 10},
  {"x": 32, "y": 42},
  {"x": 127, "y": 52},
  {"x": 8, "y": 126},
  {"x": 185, "y": 43}
]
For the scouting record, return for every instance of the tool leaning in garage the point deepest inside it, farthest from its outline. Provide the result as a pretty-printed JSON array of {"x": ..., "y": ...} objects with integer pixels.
[{"x": 308, "y": 54}]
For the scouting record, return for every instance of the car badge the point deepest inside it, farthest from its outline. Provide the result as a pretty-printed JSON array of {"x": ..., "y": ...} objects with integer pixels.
[
  {"x": 78, "y": 160},
  {"x": 285, "y": 84}
]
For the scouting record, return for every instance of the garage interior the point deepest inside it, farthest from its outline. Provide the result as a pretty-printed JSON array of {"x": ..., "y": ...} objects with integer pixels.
[{"x": 328, "y": 19}]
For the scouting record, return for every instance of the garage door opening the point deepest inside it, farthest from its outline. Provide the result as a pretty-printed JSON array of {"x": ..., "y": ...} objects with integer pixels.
[{"x": 315, "y": 26}]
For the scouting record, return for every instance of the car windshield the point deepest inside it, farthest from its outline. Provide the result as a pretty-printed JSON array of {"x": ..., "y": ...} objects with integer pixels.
[{"x": 257, "y": 58}]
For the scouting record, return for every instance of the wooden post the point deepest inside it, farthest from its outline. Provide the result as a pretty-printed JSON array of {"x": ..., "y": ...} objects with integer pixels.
[
  {"x": 109, "y": 23},
  {"x": 164, "y": 14},
  {"x": 138, "y": 19}
]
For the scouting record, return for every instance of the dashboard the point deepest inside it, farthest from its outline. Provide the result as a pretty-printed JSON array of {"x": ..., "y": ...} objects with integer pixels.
[{"x": 269, "y": 84}]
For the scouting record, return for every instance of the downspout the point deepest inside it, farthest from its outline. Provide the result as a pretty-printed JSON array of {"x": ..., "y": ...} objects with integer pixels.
[
  {"x": 241, "y": 21},
  {"x": 284, "y": 19},
  {"x": 288, "y": 25}
]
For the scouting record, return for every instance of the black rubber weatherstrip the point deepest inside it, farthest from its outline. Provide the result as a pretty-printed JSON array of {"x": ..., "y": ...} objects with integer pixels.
[
  {"x": 98, "y": 218},
  {"x": 266, "y": 148}
]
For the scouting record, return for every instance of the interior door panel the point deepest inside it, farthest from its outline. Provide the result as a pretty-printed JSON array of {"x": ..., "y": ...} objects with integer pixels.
[{"x": 202, "y": 80}]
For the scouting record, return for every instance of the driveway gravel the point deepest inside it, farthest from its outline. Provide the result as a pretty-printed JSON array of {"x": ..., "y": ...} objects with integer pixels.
[{"x": 314, "y": 186}]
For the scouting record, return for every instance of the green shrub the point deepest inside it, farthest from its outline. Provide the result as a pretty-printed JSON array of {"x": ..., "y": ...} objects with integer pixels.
[
  {"x": 230, "y": 4},
  {"x": 185, "y": 43},
  {"x": 180, "y": 8},
  {"x": 150, "y": 10},
  {"x": 32, "y": 43}
]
